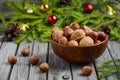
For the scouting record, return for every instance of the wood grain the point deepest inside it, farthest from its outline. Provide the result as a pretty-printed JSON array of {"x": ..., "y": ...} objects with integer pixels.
[
  {"x": 58, "y": 67},
  {"x": 40, "y": 49},
  {"x": 78, "y": 75},
  {"x": 21, "y": 69},
  {"x": 7, "y": 49},
  {"x": 105, "y": 57}
]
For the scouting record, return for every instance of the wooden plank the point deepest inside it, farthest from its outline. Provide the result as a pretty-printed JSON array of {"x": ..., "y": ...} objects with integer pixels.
[
  {"x": 114, "y": 48},
  {"x": 40, "y": 49},
  {"x": 7, "y": 49},
  {"x": 21, "y": 69},
  {"x": 78, "y": 75},
  {"x": 59, "y": 68},
  {"x": 104, "y": 57}
]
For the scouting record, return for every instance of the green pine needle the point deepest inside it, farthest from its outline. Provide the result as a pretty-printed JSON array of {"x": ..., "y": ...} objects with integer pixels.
[
  {"x": 66, "y": 14},
  {"x": 108, "y": 68}
]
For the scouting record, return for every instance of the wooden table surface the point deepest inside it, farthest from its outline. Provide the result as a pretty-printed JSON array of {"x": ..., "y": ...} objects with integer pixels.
[{"x": 59, "y": 69}]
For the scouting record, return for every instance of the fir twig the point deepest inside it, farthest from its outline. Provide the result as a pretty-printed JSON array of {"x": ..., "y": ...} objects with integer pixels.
[{"x": 109, "y": 68}]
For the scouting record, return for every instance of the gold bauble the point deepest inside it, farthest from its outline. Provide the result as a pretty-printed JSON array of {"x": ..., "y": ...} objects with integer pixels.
[
  {"x": 110, "y": 10},
  {"x": 44, "y": 7}
]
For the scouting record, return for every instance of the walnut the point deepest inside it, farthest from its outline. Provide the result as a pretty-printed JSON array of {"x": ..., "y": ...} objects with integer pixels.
[
  {"x": 56, "y": 34},
  {"x": 74, "y": 26},
  {"x": 62, "y": 40},
  {"x": 54, "y": 29},
  {"x": 86, "y": 41},
  {"x": 72, "y": 43},
  {"x": 77, "y": 34}
]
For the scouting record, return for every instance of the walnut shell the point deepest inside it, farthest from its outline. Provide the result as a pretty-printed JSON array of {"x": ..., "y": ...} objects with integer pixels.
[
  {"x": 72, "y": 43},
  {"x": 54, "y": 29},
  {"x": 77, "y": 34},
  {"x": 62, "y": 40},
  {"x": 56, "y": 34},
  {"x": 86, "y": 41}
]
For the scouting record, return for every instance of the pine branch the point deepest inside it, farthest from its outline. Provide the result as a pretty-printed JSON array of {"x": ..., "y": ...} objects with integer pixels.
[
  {"x": 3, "y": 20},
  {"x": 108, "y": 68}
]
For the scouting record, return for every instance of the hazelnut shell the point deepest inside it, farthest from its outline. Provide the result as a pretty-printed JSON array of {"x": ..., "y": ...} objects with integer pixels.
[
  {"x": 94, "y": 35},
  {"x": 44, "y": 67},
  {"x": 68, "y": 31},
  {"x": 12, "y": 59},
  {"x": 25, "y": 52},
  {"x": 34, "y": 60},
  {"x": 87, "y": 70}
]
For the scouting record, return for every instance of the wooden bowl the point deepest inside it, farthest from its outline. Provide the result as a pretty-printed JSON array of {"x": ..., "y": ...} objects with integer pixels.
[{"x": 79, "y": 54}]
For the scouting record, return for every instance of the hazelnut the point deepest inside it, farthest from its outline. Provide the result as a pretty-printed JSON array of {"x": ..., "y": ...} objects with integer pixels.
[
  {"x": 87, "y": 30},
  {"x": 94, "y": 35},
  {"x": 74, "y": 26},
  {"x": 101, "y": 35},
  {"x": 54, "y": 29},
  {"x": 66, "y": 27},
  {"x": 97, "y": 41},
  {"x": 87, "y": 70},
  {"x": 86, "y": 41},
  {"x": 68, "y": 31},
  {"x": 34, "y": 60},
  {"x": 25, "y": 52},
  {"x": 56, "y": 34},
  {"x": 62, "y": 40},
  {"x": 12, "y": 59},
  {"x": 44, "y": 67},
  {"x": 77, "y": 35},
  {"x": 72, "y": 43}
]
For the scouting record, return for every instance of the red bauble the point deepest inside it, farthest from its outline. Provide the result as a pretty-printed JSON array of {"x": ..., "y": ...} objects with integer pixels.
[
  {"x": 52, "y": 19},
  {"x": 88, "y": 8}
]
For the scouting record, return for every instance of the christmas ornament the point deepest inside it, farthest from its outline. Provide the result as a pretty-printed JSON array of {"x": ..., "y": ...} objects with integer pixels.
[
  {"x": 111, "y": 11},
  {"x": 29, "y": 10},
  {"x": 65, "y": 2},
  {"x": 52, "y": 19},
  {"x": 12, "y": 31},
  {"x": 44, "y": 7},
  {"x": 88, "y": 8},
  {"x": 23, "y": 27}
]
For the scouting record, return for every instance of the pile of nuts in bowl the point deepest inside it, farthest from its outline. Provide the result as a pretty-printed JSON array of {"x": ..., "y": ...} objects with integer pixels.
[{"x": 76, "y": 35}]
